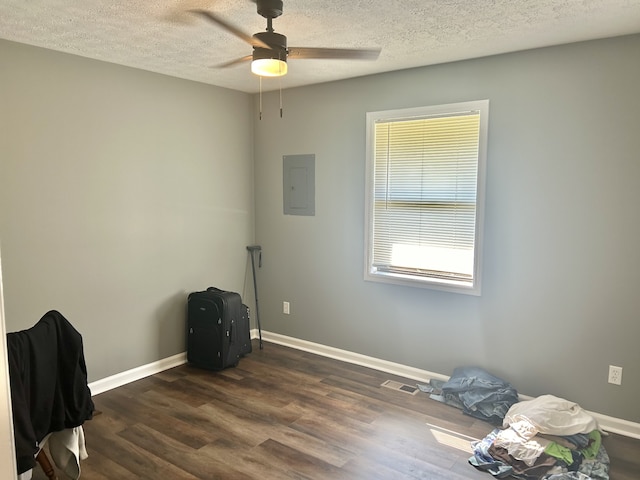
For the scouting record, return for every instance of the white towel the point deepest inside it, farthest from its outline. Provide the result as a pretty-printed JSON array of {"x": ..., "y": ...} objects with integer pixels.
[
  {"x": 67, "y": 448},
  {"x": 551, "y": 415}
]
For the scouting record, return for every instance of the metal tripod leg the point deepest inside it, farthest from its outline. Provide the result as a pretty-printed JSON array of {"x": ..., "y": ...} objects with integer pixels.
[{"x": 254, "y": 248}]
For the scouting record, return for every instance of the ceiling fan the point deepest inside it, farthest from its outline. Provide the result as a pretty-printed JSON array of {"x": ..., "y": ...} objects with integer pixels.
[{"x": 270, "y": 51}]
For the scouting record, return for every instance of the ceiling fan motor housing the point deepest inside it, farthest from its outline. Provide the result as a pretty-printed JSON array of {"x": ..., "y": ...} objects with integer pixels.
[
  {"x": 269, "y": 8},
  {"x": 276, "y": 41}
]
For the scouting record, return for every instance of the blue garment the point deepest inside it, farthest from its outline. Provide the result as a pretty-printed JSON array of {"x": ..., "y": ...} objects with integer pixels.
[
  {"x": 481, "y": 394},
  {"x": 483, "y": 460},
  {"x": 596, "y": 468},
  {"x": 567, "y": 476}
]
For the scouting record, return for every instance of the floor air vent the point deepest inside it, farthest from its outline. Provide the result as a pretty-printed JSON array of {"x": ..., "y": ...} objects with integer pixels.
[{"x": 403, "y": 387}]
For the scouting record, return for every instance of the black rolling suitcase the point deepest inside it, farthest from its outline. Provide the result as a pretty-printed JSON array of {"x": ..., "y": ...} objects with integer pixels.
[{"x": 214, "y": 318}]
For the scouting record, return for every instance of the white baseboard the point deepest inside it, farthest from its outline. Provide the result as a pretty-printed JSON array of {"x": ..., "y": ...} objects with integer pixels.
[
  {"x": 617, "y": 425},
  {"x": 354, "y": 358},
  {"x": 119, "y": 379},
  {"x": 607, "y": 423}
]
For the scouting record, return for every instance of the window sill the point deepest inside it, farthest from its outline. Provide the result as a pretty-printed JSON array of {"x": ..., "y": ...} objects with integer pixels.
[{"x": 445, "y": 285}]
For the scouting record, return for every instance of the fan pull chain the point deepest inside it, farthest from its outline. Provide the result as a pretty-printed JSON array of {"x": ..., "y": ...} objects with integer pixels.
[
  {"x": 260, "y": 98},
  {"x": 280, "y": 81}
]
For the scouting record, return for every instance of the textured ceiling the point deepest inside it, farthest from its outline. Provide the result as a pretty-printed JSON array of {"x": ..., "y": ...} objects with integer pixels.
[{"x": 158, "y": 36}]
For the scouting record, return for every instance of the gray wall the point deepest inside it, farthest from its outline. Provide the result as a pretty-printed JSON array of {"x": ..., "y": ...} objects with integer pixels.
[
  {"x": 561, "y": 260},
  {"x": 120, "y": 192}
]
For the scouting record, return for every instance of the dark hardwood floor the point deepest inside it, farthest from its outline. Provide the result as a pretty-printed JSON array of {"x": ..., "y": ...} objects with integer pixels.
[{"x": 287, "y": 414}]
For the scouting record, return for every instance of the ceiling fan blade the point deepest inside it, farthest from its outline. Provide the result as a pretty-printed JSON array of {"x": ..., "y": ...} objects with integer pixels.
[
  {"x": 237, "y": 61},
  {"x": 336, "y": 53},
  {"x": 182, "y": 14},
  {"x": 230, "y": 28}
]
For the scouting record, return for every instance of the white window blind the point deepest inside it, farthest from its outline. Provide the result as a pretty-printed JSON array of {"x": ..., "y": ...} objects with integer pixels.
[{"x": 424, "y": 196}]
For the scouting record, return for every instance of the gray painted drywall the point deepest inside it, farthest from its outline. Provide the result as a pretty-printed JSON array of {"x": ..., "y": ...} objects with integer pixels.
[
  {"x": 561, "y": 276},
  {"x": 120, "y": 192}
]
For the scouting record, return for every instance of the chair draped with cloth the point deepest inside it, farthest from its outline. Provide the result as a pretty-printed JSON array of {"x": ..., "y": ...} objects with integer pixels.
[{"x": 49, "y": 391}]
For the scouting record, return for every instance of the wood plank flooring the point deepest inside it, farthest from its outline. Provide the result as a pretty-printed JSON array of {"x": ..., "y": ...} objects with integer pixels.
[{"x": 287, "y": 414}]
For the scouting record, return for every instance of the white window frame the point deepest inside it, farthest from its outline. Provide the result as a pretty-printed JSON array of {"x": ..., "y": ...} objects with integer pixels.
[{"x": 425, "y": 280}]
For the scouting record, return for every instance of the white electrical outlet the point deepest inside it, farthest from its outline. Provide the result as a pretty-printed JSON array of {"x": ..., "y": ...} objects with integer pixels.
[
  {"x": 615, "y": 375},
  {"x": 285, "y": 308}
]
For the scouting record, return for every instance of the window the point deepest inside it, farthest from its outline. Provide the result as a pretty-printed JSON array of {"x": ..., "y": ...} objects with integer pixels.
[{"x": 425, "y": 182}]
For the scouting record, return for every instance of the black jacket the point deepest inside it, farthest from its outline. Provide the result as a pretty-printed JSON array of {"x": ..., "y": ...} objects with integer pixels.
[{"x": 48, "y": 378}]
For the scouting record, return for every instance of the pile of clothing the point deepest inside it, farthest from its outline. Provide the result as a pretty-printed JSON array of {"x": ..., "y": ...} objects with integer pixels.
[
  {"x": 476, "y": 392},
  {"x": 547, "y": 438}
]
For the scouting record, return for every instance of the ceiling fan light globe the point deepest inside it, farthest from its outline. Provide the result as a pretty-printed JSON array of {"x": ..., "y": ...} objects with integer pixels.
[{"x": 269, "y": 67}]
